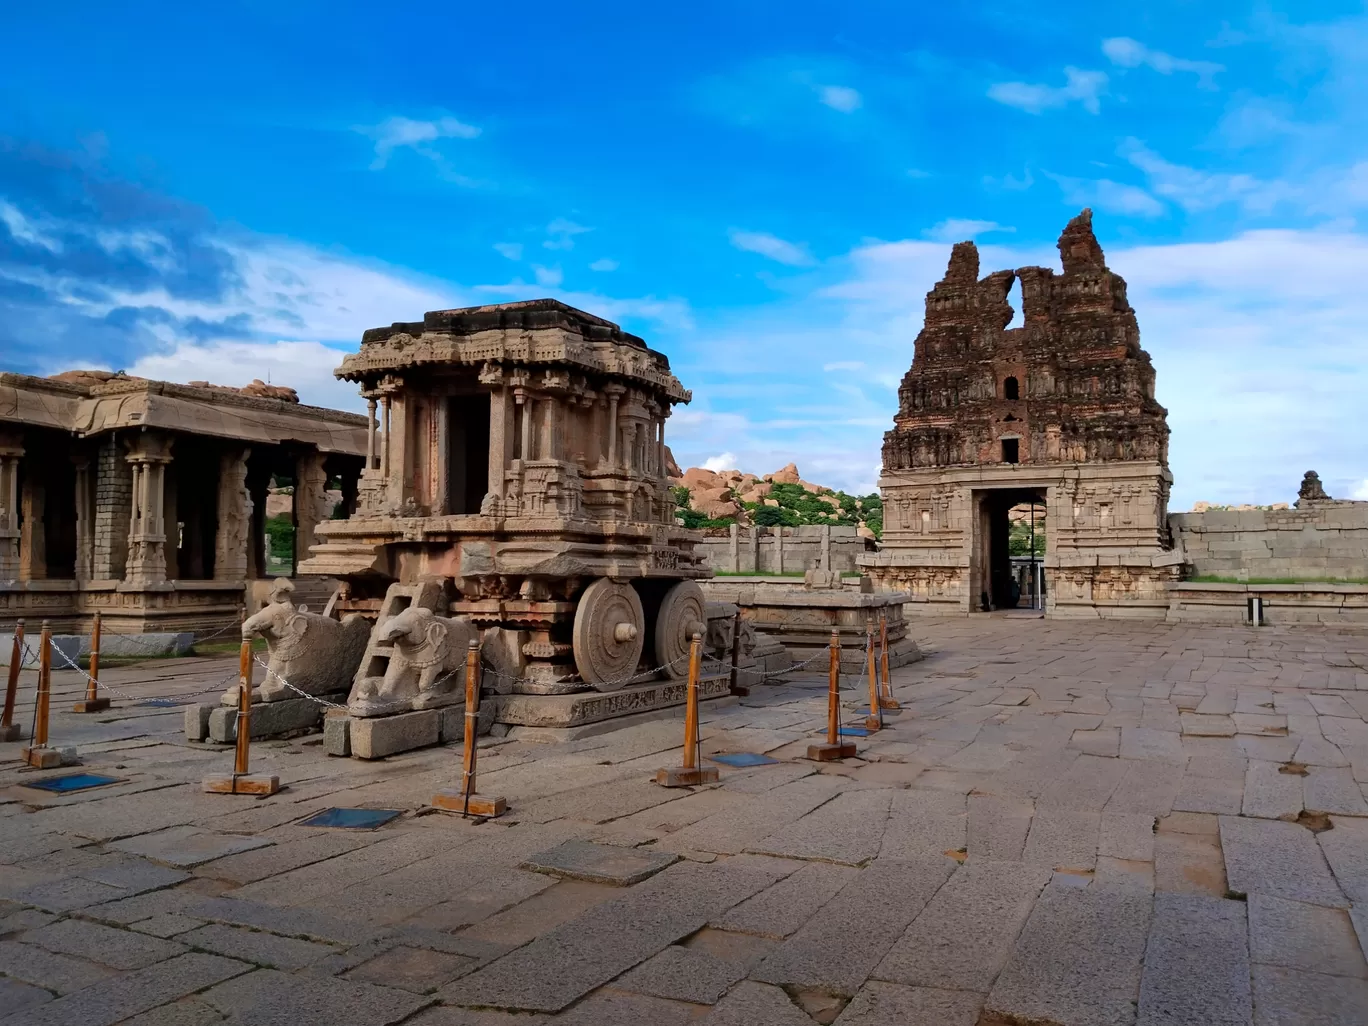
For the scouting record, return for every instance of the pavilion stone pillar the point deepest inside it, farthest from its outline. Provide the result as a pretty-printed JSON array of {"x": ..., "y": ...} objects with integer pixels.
[
  {"x": 500, "y": 448},
  {"x": 32, "y": 531},
  {"x": 149, "y": 454},
  {"x": 310, "y": 500},
  {"x": 113, "y": 507},
  {"x": 234, "y": 517},
  {"x": 11, "y": 451},
  {"x": 85, "y": 516}
]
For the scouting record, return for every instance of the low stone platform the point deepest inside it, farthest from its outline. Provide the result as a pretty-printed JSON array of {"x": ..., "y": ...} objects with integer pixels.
[
  {"x": 375, "y": 737},
  {"x": 286, "y": 718},
  {"x": 117, "y": 646},
  {"x": 801, "y": 618}
]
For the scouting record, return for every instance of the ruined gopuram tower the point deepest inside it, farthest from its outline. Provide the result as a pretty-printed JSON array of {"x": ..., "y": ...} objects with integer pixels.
[{"x": 1059, "y": 412}]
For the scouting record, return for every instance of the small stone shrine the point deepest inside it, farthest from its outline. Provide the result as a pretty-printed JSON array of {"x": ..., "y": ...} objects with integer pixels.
[
  {"x": 1059, "y": 413},
  {"x": 514, "y": 485}
]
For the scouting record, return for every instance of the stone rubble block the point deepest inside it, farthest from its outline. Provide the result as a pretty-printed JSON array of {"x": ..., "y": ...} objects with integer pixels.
[
  {"x": 374, "y": 737},
  {"x": 269, "y": 719}
]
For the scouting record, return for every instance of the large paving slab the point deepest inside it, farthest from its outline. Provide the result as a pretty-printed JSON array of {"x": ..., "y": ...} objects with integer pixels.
[
  {"x": 1077, "y": 960},
  {"x": 847, "y": 832},
  {"x": 1196, "y": 963},
  {"x": 599, "y": 863},
  {"x": 848, "y": 936},
  {"x": 890, "y": 1004},
  {"x": 1279, "y": 859}
]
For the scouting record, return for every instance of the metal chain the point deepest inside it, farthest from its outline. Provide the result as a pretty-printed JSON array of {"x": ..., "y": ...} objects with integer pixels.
[{"x": 124, "y": 694}]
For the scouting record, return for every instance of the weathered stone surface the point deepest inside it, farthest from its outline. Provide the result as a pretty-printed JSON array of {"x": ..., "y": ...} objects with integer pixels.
[
  {"x": 602, "y": 942},
  {"x": 600, "y": 863},
  {"x": 1283, "y": 996},
  {"x": 840, "y": 946},
  {"x": 1295, "y": 935},
  {"x": 998, "y": 827},
  {"x": 1270, "y": 794},
  {"x": 612, "y": 1007},
  {"x": 1346, "y": 849},
  {"x": 16, "y": 996},
  {"x": 1063, "y": 839},
  {"x": 68, "y": 894},
  {"x": 594, "y": 707},
  {"x": 268, "y": 996},
  {"x": 730, "y": 830},
  {"x": 188, "y": 846},
  {"x": 781, "y": 909},
  {"x": 847, "y": 832},
  {"x": 290, "y": 922},
  {"x": 256, "y": 946},
  {"x": 1078, "y": 959},
  {"x": 891, "y": 1004},
  {"x": 1196, "y": 964},
  {"x": 750, "y": 1003},
  {"x": 283, "y": 717},
  {"x": 684, "y": 974},
  {"x": 539, "y": 914},
  {"x": 1188, "y": 863},
  {"x": 1328, "y": 789},
  {"x": 166, "y": 925},
  {"x": 1127, "y": 835},
  {"x": 118, "y": 949},
  {"x": 127, "y": 994},
  {"x": 375, "y": 737},
  {"x": 415, "y": 969},
  {"x": 45, "y": 969},
  {"x": 197, "y": 721},
  {"x": 189, "y": 1011},
  {"x": 962, "y": 939},
  {"x": 337, "y": 733},
  {"x": 1278, "y": 859},
  {"x": 924, "y": 822}
]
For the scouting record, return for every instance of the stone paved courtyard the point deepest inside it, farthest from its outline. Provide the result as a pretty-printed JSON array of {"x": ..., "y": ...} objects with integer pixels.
[{"x": 1072, "y": 823}]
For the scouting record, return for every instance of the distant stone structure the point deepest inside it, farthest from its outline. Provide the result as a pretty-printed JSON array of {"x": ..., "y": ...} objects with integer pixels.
[
  {"x": 1311, "y": 489},
  {"x": 783, "y": 550},
  {"x": 1059, "y": 412},
  {"x": 146, "y": 500}
]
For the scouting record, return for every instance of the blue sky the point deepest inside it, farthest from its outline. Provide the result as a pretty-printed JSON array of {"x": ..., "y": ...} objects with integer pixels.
[{"x": 763, "y": 191}]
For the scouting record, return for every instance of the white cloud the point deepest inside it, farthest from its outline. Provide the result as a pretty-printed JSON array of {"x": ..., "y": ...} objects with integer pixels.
[
  {"x": 24, "y": 229},
  {"x": 604, "y": 264},
  {"x": 1193, "y": 189},
  {"x": 562, "y": 233},
  {"x": 956, "y": 229},
  {"x": 1125, "y": 52},
  {"x": 396, "y": 132},
  {"x": 841, "y": 98},
  {"x": 550, "y": 277},
  {"x": 771, "y": 246},
  {"x": 725, "y": 461},
  {"x": 304, "y": 366},
  {"x": 512, "y": 250},
  {"x": 1105, "y": 194},
  {"x": 844, "y": 365},
  {"x": 1080, "y": 86},
  {"x": 1360, "y": 491}
]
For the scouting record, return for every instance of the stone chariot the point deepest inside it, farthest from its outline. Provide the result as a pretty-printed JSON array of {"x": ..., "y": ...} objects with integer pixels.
[{"x": 515, "y": 478}]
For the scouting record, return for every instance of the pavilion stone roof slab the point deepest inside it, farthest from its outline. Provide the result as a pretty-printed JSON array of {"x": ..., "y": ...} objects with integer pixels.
[
  {"x": 537, "y": 332},
  {"x": 92, "y": 407}
]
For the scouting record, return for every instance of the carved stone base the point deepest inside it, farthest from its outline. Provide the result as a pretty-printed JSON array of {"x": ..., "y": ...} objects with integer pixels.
[
  {"x": 596, "y": 706},
  {"x": 285, "y": 718}
]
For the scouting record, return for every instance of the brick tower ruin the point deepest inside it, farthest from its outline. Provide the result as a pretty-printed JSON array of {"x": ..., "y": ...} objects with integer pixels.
[{"x": 1059, "y": 411}]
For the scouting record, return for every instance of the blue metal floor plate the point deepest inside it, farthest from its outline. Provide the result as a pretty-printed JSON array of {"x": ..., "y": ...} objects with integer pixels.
[
  {"x": 352, "y": 819},
  {"x": 853, "y": 732},
  {"x": 72, "y": 782},
  {"x": 740, "y": 759}
]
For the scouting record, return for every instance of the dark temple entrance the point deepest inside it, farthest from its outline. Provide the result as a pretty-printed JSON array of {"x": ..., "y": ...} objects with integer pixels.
[{"x": 1009, "y": 546}]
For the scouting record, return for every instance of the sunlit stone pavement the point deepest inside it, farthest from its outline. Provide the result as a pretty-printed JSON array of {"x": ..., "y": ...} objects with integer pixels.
[{"x": 1069, "y": 822}]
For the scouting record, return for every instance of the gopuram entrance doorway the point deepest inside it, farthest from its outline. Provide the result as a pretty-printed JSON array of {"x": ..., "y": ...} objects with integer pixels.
[{"x": 1010, "y": 543}]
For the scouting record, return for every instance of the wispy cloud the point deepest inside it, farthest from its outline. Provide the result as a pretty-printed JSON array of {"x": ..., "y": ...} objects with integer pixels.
[
  {"x": 550, "y": 277},
  {"x": 841, "y": 98},
  {"x": 723, "y": 461},
  {"x": 1194, "y": 189},
  {"x": 771, "y": 246},
  {"x": 604, "y": 264},
  {"x": 398, "y": 132},
  {"x": 1105, "y": 194},
  {"x": 956, "y": 229},
  {"x": 561, "y": 233},
  {"x": 511, "y": 250},
  {"x": 844, "y": 365},
  {"x": 1125, "y": 52},
  {"x": 1084, "y": 87}
]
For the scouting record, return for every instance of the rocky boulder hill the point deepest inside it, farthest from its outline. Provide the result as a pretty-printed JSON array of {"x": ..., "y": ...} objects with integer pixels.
[{"x": 719, "y": 498}]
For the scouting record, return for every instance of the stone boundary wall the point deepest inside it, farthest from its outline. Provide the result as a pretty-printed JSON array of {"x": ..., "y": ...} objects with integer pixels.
[
  {"x": 1337, "y": 605},
  {"x": 1323, "y": 540},
  {"x": 777, "y": 550}
]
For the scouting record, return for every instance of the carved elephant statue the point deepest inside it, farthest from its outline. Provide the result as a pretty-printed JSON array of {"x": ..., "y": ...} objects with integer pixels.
[
  {"x": 426, "y": 666},
  {"x": 315, "y": 653}
]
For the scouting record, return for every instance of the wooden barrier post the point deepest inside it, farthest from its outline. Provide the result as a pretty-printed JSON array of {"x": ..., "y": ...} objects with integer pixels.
[
  {"x": 38, "y": 753},
  {"x": 93, "y": 702},
  {"x": 9, "y": 730},
  {"x": 834, "y": 748},
  {"x": 874, "y": 721},
  {"x": 886, "y": 699},
  {"x": 466, "y": 801},
  {"x": 689, "y": 773},
  {"x": 241, "y": 781},
  {"x": 736, "y": 687}
]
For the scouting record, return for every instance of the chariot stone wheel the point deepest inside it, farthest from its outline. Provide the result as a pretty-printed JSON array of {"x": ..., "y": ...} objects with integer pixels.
[
  {"x": 683, "y": 613},
  {"x": 609, "y": 634}
]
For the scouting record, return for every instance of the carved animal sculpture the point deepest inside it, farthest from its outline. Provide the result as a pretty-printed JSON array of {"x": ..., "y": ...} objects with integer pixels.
[
  {"x": 315, "y": 653},
  {"x": 427, "y": 668}
]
